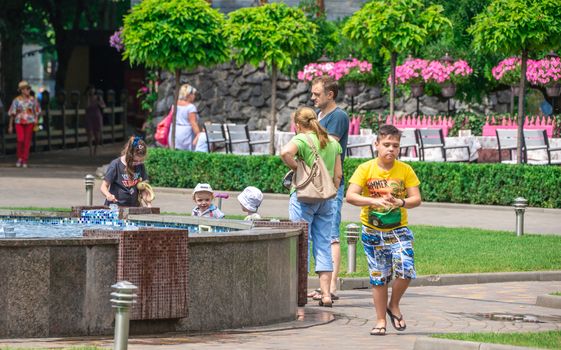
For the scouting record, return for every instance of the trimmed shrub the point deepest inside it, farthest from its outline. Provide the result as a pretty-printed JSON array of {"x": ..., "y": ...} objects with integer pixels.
[{"x": 492, "y": 184}]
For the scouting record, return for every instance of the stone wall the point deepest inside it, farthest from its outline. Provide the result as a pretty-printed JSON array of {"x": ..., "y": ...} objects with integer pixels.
[
  {"x": 242, "y": 94},
  {"x": 334, "y": 8}
]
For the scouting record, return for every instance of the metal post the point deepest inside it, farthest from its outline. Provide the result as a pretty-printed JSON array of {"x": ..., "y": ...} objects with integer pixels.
[
  {"x": 89, "y": 181},
  {"x": 352, "y": 231},
  {"x": 520, "y": 205},
  {"x": 123, "y": 298}
]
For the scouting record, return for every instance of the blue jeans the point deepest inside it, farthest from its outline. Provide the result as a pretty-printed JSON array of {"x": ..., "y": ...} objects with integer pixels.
[
  {"x": 337, "y": 206},
  {"x": 319, "y": 217}
]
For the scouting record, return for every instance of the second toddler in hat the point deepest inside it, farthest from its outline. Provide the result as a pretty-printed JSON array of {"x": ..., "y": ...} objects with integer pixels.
[
  {"x": 250, "y": 200},
  {"x": 203, "y": 196}
]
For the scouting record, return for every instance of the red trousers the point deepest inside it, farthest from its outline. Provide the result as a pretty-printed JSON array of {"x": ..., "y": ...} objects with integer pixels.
[{"x": 24, "y": 134}]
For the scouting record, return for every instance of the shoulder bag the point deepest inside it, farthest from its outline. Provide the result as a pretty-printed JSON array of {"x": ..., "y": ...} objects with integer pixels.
[
  {"x": 313, "y": 184},
  {"x": 162, "y": 129}
]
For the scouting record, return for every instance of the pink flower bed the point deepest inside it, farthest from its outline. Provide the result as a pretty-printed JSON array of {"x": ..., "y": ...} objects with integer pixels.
[
  {"x": 336, "y": 70},
  {"x": 423, "y": 71}
]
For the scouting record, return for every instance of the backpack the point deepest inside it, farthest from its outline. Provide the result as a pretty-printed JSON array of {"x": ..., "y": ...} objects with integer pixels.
[{"x": 162, "y": 129}]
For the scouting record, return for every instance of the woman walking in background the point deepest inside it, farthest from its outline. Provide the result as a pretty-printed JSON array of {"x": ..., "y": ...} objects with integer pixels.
[
  {"x": 187, "y": 120},
  {"x": 94, "y": 118},
  {"x": 24, "y": 112},
  {"x": 311, "y": 135}
]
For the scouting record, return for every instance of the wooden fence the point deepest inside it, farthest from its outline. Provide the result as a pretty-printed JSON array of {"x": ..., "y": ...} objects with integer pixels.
[{"x": 63, "y": 127}]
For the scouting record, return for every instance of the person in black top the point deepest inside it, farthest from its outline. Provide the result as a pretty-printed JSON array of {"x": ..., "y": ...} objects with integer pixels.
[{"x": 124, "y": 173}]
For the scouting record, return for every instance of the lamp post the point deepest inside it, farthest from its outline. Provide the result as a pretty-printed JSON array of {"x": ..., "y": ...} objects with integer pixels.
[
  {"x": 448, "y": 89},
  {"x": 520, "y": 204},
  {"x": 352, "y": 232},
  {"x": 351, "y": 88},
  {"x": 89, "y": 181},
  {"x": 417, "y": 89},
  {"x": 123, "y": 299},
  {"x": 553, "y": 91}
]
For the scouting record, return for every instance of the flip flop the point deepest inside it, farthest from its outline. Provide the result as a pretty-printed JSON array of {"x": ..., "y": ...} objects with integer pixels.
[
  {"x": 314, "y": 293},
  {"x": 334, "y": 296},
  {"x": 394, "y": 318},
  {"x": 378, "y": 331}
]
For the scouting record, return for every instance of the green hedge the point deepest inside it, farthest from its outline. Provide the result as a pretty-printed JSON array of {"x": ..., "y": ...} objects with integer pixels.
[{"x": 493, "y": 184}]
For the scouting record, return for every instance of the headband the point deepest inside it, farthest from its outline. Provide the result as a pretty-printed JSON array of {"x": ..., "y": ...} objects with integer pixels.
[{"x": 135, "y": 142}]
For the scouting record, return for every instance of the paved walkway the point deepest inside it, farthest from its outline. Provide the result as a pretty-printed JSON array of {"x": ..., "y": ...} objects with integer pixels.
[{"x": 427, "y": 310}]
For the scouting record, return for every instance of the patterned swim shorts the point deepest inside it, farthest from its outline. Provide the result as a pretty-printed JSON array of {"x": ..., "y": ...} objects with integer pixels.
[{"x": 388, "y": 254}]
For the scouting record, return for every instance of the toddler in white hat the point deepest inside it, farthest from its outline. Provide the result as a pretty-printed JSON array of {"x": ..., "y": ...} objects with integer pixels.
[
  {"x": 203, "y": 196},
  {"x": 250, "y": 199}
]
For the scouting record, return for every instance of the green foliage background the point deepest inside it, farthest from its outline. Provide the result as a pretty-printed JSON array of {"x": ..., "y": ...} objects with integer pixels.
[{"x": 492, "y": 184}]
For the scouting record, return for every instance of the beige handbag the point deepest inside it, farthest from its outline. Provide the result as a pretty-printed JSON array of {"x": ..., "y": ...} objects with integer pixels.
[{"x": 313, "y": 184}]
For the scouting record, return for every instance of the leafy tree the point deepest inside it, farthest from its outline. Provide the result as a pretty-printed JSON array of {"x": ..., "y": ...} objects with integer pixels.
[
  {"x": 518, "y": 27},
  {"x": 397, "y": 26},
  {"x": 174, "y": 35},
  {"x": 274, "y": 34}
]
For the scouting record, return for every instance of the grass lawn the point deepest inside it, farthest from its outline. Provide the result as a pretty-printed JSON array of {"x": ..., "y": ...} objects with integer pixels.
[
  {"x": 444, "y": 250},
  {"x": 556, "y": 294},
  {"x": 542, "y": 340}
]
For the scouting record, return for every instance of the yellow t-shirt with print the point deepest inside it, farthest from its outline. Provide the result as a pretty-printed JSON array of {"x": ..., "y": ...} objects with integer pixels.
[{"x": 377, "y": 182}]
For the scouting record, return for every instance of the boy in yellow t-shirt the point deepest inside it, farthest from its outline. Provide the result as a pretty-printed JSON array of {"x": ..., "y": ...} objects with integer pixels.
[{"x": 384, "y": 187}]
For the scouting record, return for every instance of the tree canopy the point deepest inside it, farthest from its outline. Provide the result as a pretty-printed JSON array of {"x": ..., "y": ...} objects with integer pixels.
[
  {"x": 271, "y": 33},
  {"x": 396, "y": 26},
  {"x": 174, "y": 34}
]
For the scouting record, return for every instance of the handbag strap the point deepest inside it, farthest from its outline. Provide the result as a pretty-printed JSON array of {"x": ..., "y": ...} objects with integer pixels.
[{"x": 311, "y": 143}]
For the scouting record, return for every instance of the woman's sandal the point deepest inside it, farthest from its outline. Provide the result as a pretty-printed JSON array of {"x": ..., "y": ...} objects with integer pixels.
[
  {"x": 378, "y": 331},
  {"x": 315, "y": 294},
  {"x": 394, "y": 318},
  {"x": 326, "y": 303}
]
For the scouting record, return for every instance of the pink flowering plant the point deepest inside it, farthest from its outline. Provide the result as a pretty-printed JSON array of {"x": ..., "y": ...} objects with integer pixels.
[
  {"x": 441, "y": 72},
  {"x": 116, "y": 40},
  {"x": 417, "y": 71},
  {"x": 545, "y": 72},
  {"x": 343, "y": 70},
  {"x": 507, "y": 71},
  {"x": 410, "y": 72}
]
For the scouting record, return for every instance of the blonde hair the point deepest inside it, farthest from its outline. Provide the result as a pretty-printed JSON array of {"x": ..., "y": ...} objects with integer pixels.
[
  {"x": 308, "y": 119},
  {"x": 186, "y": 90}
]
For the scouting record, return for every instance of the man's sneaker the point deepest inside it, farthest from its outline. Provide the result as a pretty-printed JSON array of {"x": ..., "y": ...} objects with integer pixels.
[
  {"x": 18, "y": 163},
  {"x": 24, "y": 165}
]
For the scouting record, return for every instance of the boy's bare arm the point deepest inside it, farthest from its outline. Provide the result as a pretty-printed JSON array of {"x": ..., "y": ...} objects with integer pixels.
[{"x": 413, "y": 198}]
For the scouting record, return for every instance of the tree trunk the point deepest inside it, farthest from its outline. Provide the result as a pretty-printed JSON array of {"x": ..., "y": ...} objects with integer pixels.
[
  {"x": 393, "y": 62},
  {"x": 519, "y": 140},
  {"x": 273, "y": 121},
  {"x": 321, "y": 7},
  {"x": 175, "y": 99}
]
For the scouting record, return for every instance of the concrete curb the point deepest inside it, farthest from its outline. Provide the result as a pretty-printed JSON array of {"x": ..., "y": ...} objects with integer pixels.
[
  {"x": 348, "y": 283},
  {"x": 546, "y": 300},
  {"x": 427, "y": 343}
]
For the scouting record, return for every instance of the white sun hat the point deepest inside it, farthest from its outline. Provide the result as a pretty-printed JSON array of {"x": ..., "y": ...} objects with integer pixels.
[
  {"x": 251, "y": 198},
  {"x": 202, "y": 188}
]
